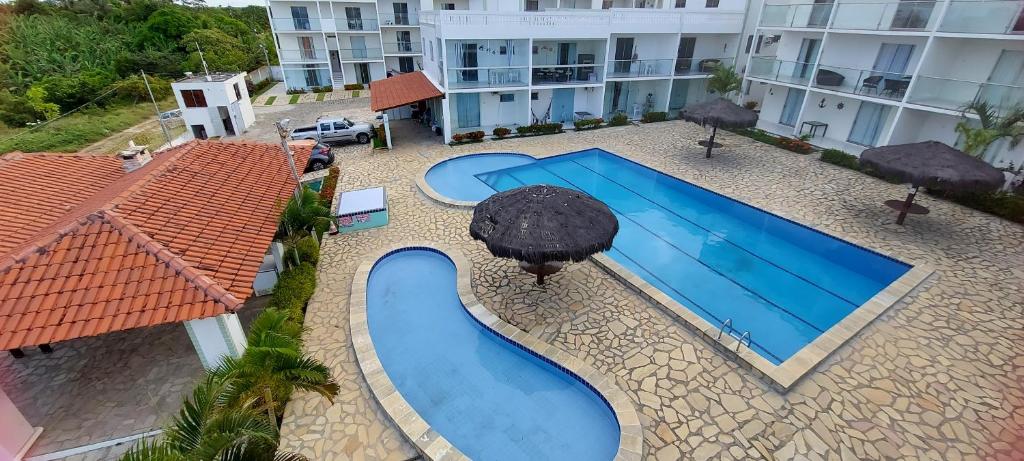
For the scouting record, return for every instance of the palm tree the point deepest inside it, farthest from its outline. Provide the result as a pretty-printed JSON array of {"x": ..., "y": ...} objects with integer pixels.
[
  {"x": 273, "y": 366},
  {"x": 302, "y": 215},
  {"x": 208, "y": 428},
  {"x": 991, "y": 127},
  {"x": 724, "y": 80}
]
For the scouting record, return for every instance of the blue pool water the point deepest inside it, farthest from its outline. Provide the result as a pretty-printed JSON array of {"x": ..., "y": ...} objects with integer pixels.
[
  {"x": 454, "y": 178},
  {"x": 490, "y": 399},
  {"x": 782, "y": 282}
]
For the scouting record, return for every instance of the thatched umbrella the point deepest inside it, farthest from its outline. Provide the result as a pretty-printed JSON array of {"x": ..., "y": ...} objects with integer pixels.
[
  {"x": 541, "y": 226},
  {"x": 719, "y": 112},
  {"x": 930, "y": 164}
]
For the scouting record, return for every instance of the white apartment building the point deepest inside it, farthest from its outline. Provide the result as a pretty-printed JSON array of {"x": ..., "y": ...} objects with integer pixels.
[
  {"x": 333, "y": 43},
  {"x": 873, "y": 73}
]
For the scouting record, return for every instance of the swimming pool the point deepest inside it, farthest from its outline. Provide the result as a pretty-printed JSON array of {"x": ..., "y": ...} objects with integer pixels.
[
  {"x": 778, "y": 282},
  {"x": 488, "y": 397},
  {"x": 454, "y": 177}
]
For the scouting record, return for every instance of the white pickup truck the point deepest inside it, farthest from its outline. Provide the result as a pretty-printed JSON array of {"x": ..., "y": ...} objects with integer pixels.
[{"x": 335, "y": 131}]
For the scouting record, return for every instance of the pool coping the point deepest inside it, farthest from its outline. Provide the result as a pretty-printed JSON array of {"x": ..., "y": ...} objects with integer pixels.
[
  {"x": 784, "y": 375},
  {"x": 429, "y": 442}
]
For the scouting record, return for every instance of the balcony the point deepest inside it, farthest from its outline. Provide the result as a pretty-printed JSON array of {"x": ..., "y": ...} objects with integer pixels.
[
  {"x": 297, "y": 24},
  {"x": 360, "y": 54},
  {"x": 768, "y": 68},
  {"x": 984, "y": 17},
  {"x": 584, "y": 23},
  {"x": 489, "y": 77},
  {"x": 403, "y": 48},
  {"x": 872, "y": 83},
  {"x": 954, "y": 94},
  {"x": 303, "y": 55},
  {"x": 700, "y": 66},
  {"x": 908, "y": 16},
  {"x": 356, "y": 25},
  {"x": 796, "y": 15},
  {"x": 572, "y": 74},
  {"x": 399, "y": 20},
  {"x": 642, "y": 68}
]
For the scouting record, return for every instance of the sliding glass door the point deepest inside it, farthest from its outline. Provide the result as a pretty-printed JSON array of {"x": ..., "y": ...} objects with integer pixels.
[
  {"x": 868, "y": 125},
  {"x": 791, "y": 109}
]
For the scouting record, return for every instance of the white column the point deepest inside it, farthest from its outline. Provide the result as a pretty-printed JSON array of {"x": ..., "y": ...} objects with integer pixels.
[
  {"x": 17, "y": 434},
  {"x": 216, "y": 337}
]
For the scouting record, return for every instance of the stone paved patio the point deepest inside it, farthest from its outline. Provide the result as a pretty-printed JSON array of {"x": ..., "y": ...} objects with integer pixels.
[{"x": 939, "y": 376}]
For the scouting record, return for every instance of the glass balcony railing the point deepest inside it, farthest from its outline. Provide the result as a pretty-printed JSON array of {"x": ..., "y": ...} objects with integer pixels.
[
  {"x": 780, "y": 71},
  {"x": 360, "y": 54},
  {"x": 303, "y": 55},
  {"x": 859, "y": 81},
  {"x": 402, "y": 48},
  {"x": 399, "y": 19},
  {"x": 904, "y": 15},
  {"x": 700, "y": 66},
  {"x": 491, "y": 77},
  {"x": 953, "y": 94},
  {"x": 797, "y": 15},
  {"x": 297, "y": 24},
  {"x": 984, "y": 17},
  {"x": 567, "y": 74},
  {"x": 356, "y": 25},
  {"x": 641, "y": 68}
]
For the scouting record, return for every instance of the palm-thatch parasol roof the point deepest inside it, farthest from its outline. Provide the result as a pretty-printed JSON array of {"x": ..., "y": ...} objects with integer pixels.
[
  {"x": 542, "y": 224},
  {"x": 930, "y": 164},
  {"x": 718, "y": 112}
]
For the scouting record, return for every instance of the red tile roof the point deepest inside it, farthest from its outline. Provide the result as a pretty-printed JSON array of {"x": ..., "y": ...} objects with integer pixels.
[
  {"x": 400, "y": 90},
  {"x": 179, "y": 239}
]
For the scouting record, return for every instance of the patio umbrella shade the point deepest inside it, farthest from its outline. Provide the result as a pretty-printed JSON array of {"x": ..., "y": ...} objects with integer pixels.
[
  {"x": 542, "y": 226},
  {"x": 719, "y": 112},
  {"x": 931, "y": 164}
]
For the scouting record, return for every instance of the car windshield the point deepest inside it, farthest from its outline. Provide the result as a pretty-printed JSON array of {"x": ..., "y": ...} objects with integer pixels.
[{"x": 347, "y": 121}]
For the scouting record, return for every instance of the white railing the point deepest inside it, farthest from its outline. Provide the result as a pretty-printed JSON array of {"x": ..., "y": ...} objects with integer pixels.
[{"x": 584, "y": 18}]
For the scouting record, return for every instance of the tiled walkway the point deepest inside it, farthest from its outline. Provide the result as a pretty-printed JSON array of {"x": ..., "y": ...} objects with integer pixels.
[{"x": 939, "y": 376}]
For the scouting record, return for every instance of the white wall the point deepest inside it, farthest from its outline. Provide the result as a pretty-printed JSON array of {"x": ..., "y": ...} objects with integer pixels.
[
  {"x": 493, "y": 112},
  {"x": 649, "y": 46},
  {"x": 217, "y": 94},
  {"x": 547, "y": 50},
  {"x": 488, "y": 53},
  {"x": 774, "y": 100},
  {"x": 839, "y": 121},
  {"x": 917, "y": 125},
  {"x": 966, "y": 59}
]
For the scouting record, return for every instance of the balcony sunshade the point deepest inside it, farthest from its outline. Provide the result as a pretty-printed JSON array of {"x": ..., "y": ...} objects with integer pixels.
[{"x": 401, "y": 90}]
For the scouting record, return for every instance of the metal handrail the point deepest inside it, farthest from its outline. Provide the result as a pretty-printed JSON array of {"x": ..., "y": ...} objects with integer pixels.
[
  {"x": 726, "y": 323},
  {"x": 746, "y": 334}
]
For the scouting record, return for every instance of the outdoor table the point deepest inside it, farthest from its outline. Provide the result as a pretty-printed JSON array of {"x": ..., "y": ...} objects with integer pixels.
[{"x": 814, "y": 124}]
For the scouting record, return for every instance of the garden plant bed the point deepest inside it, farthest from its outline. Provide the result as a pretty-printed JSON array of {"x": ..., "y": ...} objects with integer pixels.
[{"x": 270, "y": 101}]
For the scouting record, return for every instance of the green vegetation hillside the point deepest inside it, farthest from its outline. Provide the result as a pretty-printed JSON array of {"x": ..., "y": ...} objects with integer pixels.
[{"x": 56, "y": 56}]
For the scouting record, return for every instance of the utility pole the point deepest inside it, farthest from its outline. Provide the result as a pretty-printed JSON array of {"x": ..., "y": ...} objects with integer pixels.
[
  {"x": 159, "y": 119},
  {"x": 283, "y": 132},
  {"x": 203, "y": 59}
]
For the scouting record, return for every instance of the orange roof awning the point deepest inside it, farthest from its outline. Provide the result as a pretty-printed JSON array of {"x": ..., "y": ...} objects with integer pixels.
[{"x": 401, "y": 90}]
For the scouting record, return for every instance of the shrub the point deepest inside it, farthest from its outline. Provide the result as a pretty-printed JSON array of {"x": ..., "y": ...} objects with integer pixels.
[
  {"x": 295, "y": 91},
  {"x": 619, "y": 119},
  {"x": 758, "y": 134},
  {"x": 501, "y": 132},
  {"x": 294, "y": 288},
  {"x": 322, "y": 89},
  {"x": 458, "y": 138},
  {"x": 329, "y": 185},
  {"x": 652, "y": 117},
  {"x": 588, "y": 124},
  {"x": 838, "y": 157},
  {"x": 795, "y": 145},
  {"x": 475, "y": 136},
  {"x": 750, "y": 105},
  {"x": 539, "y": 128},
  {"x": 354, "y": 86},
  {"x": 16, "y": 111},
  {"x": 1009, "y": 206},
  {"x": 309, "y": 250}
]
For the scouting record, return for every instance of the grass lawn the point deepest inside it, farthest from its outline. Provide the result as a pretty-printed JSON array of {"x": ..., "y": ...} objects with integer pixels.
[
  {"x": 72, "y": 133},
  {"x": 355, "y": 94},
  {"x": 320, "y": 96},
  {"x": 294, "y": 99},
  {"x": 270, "y": 101}
]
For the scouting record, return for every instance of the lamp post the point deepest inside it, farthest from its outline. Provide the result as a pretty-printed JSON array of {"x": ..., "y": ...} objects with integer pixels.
[{"x": 283, "y": 131}]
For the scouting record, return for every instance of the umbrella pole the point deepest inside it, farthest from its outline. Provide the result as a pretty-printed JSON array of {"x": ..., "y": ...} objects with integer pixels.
[
  {"x": 711, "y": 140},
  {"x": 906, "y": 206},
  {"x": 540, "y": 277}
]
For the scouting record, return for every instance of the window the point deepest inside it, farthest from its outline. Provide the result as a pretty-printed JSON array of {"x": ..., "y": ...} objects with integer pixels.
[
  {"x": 448, "y": 6},
  {"x": 503, "y": 50},
  {"x": 193, "y": 98},
  {"x": 711, "y": 4},
  {"x": 238, "y": 92},
  {"x": 325, "y": 127},
  {"x": 680, "y": 3},
  {"x": 534, "y": 96},
  {"x": 405, "y": 64},
  {"x": 340, "y": 126},
  {"x": 532, "y": 5},
  {"x": 431, "y": 51},
  {"x": 760, "y": 40},
  {"x": 606, "y": 4},
  {"x": 750, "y": 42},
  {"x": 507, "y": 97}
]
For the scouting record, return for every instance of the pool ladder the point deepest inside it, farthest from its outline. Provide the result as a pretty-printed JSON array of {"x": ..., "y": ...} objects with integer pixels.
[{"x": 727, "y": 324}]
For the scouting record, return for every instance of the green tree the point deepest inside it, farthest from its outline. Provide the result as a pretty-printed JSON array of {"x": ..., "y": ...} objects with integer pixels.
[
  {"x": 305, "y": 214},
  {"x": 991, "y": 126},
  {"x": 222, "y": 52},
  {"x": 36, "y": 99},
  {"x": 723, "y": 81}
]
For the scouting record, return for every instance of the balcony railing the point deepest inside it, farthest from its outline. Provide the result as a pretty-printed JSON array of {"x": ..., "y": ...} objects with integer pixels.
[
  {"x": 360, "y": 54},
  {"x": 356, "y": 25},
  {"x": 700, "y": 66},
  {"x": 489, "y": 77},
  {"x": 303, "y": 55},
  {"x": 399, "y": 20},
  {"x": 874, "y": 83},
  {"x": 953, "y": 94},
  {"x": 780, "y": 71},
  {"x": 402, "y": 48},
  {"x": 641, "y": 68},
  {"x": 796, "y": 15},
  {"x": 904, "y": 15},
  {"x": 297, "y": 24},
  {"x": 984, "y": 17},
  {"x": 568, "y": 74}
]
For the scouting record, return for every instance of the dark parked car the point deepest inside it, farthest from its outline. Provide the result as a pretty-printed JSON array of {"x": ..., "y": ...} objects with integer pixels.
[{"x": 321, "y": 158}]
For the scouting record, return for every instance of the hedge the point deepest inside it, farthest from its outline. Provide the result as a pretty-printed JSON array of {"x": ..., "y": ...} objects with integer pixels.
[
  {"x": 838, "y": 157},
  {"x": 618, "y": 119},
  {"x": 539, "y": 128},
  {"x": 501, "y": 132},
  {"x": 354, "y": 86},
  {"x": 329, "y": 185},
  {"x": 294, "y": 288},
  {"x": 588, "y": 124},
  {"x": 652, "y": 117}
]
